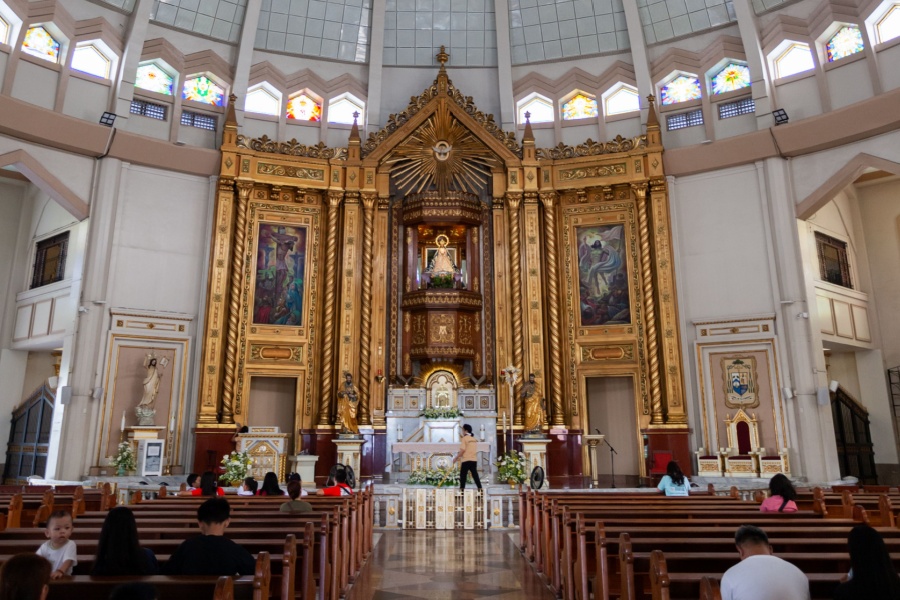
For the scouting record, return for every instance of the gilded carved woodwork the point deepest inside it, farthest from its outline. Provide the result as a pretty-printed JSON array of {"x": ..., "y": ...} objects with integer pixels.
[
  {"x": 656, "y": 400},
  {"x": 368, "y": 199},
  {"x": 592, "y": 148},
  {"x": 328, "y": 324},
  {"x": 513, "y": 202},
  {"x": 557, "y": 417},
  {"x": 291, "y": 148},
  {"x": 533, "y": 302}
]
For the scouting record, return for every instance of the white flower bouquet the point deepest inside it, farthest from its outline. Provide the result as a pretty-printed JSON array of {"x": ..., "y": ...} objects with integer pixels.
[
  {"x": 124, "y": 460},
  {"x": 445, "y": 413},
  {"x": 511, "y": 467},
  {"x": 236, "y": 465}
]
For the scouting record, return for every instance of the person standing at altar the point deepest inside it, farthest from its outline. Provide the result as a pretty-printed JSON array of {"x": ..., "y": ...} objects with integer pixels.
[
  {"x": 468, "y": 454},
  {"x": 348, "y": 401}
]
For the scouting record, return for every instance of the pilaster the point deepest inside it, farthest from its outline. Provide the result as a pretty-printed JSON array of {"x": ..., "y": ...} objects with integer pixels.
[
  {"x": 533, "y": 293},
  {"x": 502, "y": 301},
  {"x": 558, "y": 416},
  {"x": 332, "y": 259},
  {"x": 365, "y": 379},
  {"x": 513, "y": 202},
  {"x": 351, "y": 288}
]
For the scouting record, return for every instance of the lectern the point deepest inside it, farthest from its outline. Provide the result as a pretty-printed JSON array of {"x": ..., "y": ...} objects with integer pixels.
[{"x": 593, "y": 442}]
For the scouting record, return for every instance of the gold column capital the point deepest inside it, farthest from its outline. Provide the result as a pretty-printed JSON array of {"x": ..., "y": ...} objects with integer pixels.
[
  {"x": 513, "y": 201},
  {"x": 368, "y": 200},
  {"x": 226, "y": 184},
  {"x": 334, "y": 198},
  {"x": 244, "y": 189},
  {"x": 549, "y": 199},
  {"x": 640, "y": 190}
]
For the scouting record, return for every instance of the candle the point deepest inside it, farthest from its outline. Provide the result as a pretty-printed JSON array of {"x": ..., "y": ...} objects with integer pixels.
[
  {"x": 123, "y": 420},
  {"x": 172, "y": 424}
]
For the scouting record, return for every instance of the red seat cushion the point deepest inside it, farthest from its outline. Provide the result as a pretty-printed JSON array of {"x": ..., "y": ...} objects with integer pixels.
[
  {"x": 740, "y": 458},
  {"x": 771, "y": 458},
  {"x": 712, "y": 457}
]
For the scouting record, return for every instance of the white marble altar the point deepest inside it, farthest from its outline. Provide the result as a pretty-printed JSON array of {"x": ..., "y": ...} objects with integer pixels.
[{"x": 268, "y": 449}]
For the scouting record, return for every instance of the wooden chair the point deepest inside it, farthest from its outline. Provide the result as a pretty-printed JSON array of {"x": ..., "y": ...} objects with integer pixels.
[
  {"x": 743, "y": 445},
  {"x": 709, "y": 464}
]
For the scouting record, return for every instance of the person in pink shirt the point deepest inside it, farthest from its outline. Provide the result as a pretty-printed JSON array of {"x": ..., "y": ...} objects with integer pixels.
[{"x": 781, "y": 496}]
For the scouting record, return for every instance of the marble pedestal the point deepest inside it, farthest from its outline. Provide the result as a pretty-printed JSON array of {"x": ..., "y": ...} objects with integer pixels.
[
  {"x": 535, "y": 451},
  {"x": 593, "y": 442},
  {"x": 305, "y": 465},
  {"x": 348, "y": 453}
]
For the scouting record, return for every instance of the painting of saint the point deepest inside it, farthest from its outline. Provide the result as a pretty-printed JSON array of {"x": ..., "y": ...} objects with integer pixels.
[
  {"x": 280, "y": 270},
  {"x": 603, "y": 275}
]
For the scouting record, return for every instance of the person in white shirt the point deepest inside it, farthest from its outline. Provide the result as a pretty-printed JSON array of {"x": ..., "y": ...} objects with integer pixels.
[
  {"x": 760, "y": 575},
  {"x": 248, "y": 488},
  {"x": 59, "y": 550}
]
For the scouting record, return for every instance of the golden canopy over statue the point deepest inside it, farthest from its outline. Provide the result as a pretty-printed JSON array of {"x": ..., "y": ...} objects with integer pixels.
[
  {"x": 348, "y": 402},
  {"x": 535, "y": 409}
]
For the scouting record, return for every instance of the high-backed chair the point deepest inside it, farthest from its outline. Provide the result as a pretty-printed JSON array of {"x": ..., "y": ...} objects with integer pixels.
[
  {"x": 743, "y": 445},
  {"x": 772, "y": 464},
  {"x": 709, "y": 464},
  {"x": 659, "y": 461}
]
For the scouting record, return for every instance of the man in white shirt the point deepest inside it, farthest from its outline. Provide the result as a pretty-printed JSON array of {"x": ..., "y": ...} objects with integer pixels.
[{"x": 760, "y": 575}]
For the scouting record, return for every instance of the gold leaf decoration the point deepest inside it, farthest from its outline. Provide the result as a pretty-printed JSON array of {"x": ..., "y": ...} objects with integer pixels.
[
  {"x": 291, "y": 148},
  {"x": 592, "y": 148}
]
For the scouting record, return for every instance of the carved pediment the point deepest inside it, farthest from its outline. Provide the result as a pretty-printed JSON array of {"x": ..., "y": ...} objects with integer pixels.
[
  {"x": 291, "y": 148},
  {"x": 592, "y": 148}
]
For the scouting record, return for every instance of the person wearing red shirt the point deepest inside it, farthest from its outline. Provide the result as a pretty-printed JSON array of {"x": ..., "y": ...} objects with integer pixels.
[{"x": 340, "y": 488}]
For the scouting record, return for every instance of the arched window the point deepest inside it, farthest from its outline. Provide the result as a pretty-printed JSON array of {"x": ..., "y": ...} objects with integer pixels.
[
  {"x": 4, "y": 31},
  {"x": 733, "y": 76},
  {"x": 539, "y": 107},
  {"x": 680, "y": 89},
  {"x": 620, "y": 99},
  {"x": 203, "y": 89},
  {"x": 304, "y": 107},
  {"x": 341, "y": 109},
  {"x": 793, "y": 58},
  {"x": 38, "y": 42},
  {"x": 579, "y": 106},
  {"x": 263, "y": 100},
  {"x": 88, "y": 58},
  {"x": 152, "y": 78},
  {"x": 888, "y": 27},
  {"x": 848, "y": 40}
]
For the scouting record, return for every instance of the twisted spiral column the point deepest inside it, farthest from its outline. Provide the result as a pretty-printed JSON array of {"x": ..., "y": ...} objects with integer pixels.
[
  {"x": 365, "y": 339},
  {"x": 513, "y": 201},
  {"x": 331, "y": 260},
  {"x": 234, "y": 301},
  {"x": 556, "y": 368},
  {"x": 656, "y": 400}
]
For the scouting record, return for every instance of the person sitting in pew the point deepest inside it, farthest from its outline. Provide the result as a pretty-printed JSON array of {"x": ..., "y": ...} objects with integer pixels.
[
  {"x": 294, "y": 505},
  {"x": 872, "y": 574},
  {"x": 25, "y": 576},
  {"x": 760, "y": 575},
  {"x": 134, "y": 591},
  {"x": 270, "y": 486},
  {"x": 781, "y": 496},
  {"x": 119, "y": 551},
  {"x": 191, "y": 484},
  {"x": 249, "y": 487},
  {"x": 296, "y": 477},
  {"x": 340, "y": 487},
  {"x": 59, "y": 549},
  {"x": 208, "y": 486},
  {"x": 211, "y": 553},
  {"x": 674, "y": 483}
]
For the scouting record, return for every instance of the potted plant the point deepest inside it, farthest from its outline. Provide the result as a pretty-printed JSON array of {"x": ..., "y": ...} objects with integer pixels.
[
  {"x": 511, "y": 468},
  {"x": 124, "y": 460},
  {"x": 236, "y": 465}
]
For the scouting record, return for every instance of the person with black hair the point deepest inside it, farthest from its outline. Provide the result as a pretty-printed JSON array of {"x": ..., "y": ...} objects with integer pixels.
[
  {"x": 209, "y": 486},
  {"x": 468, "y": 454},
  {"x": 674, "y": 483},
  {"x": 760, "y": 575},
  {"x": 296, "y": 477},
  {"x": 781, "y": 495},
  {"x": 872, "y": 573},
  {"x": 59, "y": 549},
  {"x": 211, "y": 553},
  {"x": 249, "y": 487},
  {"x": 340, "y": 487},
  {"x": 119, "y": 551},
  {"x": 294, "y": 505},
  {"x": 25, "y": 576},
  {"x": 270, "y": 486}
]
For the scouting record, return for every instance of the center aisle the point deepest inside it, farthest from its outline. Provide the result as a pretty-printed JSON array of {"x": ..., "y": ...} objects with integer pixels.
[{"x": 441, "y": 565}]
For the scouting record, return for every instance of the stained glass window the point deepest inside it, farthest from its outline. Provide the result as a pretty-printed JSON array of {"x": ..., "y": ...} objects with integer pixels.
[
  {"x": 341, "y": 109},
  {"x": 580, "y": 106},
  {"x": 262, "y": 101},
  {"x": 4, "y": 31},
  {"x": 732, "y": 77},
  {"x": 41, "y": 44},
  {"x": 623, "y": 100},
  {"x": 88, "y": 59},
  {"x": 203, "y": 89},
  {"x": 152, "y": 78},
  {"x": 848, "y": 40},
  {"x": 304, "y": 108},
  {"x": 889, "y": 26},
  {"x": 680, "y": 89},
  {"x": 795, "y": 59},
  {"x": 540, "y": 108}
]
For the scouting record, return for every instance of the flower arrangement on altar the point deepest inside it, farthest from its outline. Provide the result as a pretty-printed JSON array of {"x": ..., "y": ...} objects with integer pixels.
[
  {"x": 441, "y": 412},
  {"x": 236, "y": 465},
  {"x": 442, "y": 281},
  {"x": 511, "y": 467},
  {"x": 436, "y": 477},
  {"x": 124, "y": 460}
]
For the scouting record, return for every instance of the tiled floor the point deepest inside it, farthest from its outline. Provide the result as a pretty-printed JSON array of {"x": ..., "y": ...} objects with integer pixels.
[{"x": 445, "y": 565}]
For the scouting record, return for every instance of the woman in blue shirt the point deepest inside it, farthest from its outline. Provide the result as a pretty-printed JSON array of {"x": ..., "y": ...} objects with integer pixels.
[{"x": 674, "y": 483}]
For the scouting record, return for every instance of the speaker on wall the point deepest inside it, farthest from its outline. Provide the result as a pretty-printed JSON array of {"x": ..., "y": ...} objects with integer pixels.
[{"x": 65, "y": 394}]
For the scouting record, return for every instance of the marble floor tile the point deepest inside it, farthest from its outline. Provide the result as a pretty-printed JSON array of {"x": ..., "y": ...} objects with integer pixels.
[{"x": 447, "y": 565}]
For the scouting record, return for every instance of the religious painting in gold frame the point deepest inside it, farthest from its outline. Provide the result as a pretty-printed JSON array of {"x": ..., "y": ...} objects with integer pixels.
[
  {"x": 603, "y": 275},
  {"x": 280, "y": 273}
]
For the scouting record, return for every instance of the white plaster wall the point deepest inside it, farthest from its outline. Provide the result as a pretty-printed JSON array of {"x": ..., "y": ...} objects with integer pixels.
[
  {"x": 888, "y": 59},
  {"x": 721, "y": 240},
  {"x": 733, "y": 126},
  {"x": 682, "y": 137},
  {"x": 35, "y": 84},
  {"x": 627, "y": 128},
  {"x": 842, "y": 368},
  {"x": 800, "y": 98},
  {"x": 849, "y": 83},
  {"x": 74, "y": 171},
  {"x": 159, "y": 243},
  {"x": 86, "y": 99},
  {"x": 258, "y": 127},
  {"x": 38, "y": 367},
  {"x": 577, "y": 134}
]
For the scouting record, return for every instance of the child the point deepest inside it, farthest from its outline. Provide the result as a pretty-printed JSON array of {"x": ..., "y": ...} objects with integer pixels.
[
  {"x": 249, "y": 487},
  {"x": 25, "y": 577},
  {"x": 191, "y": 484},
  {"x": 211, "y": 553},
  {"x": 59, "y": 550}
]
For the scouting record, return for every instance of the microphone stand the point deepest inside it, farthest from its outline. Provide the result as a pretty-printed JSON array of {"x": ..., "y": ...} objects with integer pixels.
[{"x": 612, "y": 459}]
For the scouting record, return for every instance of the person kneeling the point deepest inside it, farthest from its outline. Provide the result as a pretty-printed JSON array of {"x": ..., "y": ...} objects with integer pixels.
[{"x": 211, "y": 553}]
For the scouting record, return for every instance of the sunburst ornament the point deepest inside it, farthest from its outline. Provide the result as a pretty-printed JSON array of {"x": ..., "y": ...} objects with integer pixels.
[{"x": 444, "y": 155}]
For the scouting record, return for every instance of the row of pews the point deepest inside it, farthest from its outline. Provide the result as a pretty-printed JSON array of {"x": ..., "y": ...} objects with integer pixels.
[
  {"x": 310, "y": 555},
  {"x": 643, "y": 546}
]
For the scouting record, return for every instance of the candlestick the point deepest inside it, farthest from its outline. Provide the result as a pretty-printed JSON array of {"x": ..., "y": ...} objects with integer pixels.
[{"x": 123, "y": 420}]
